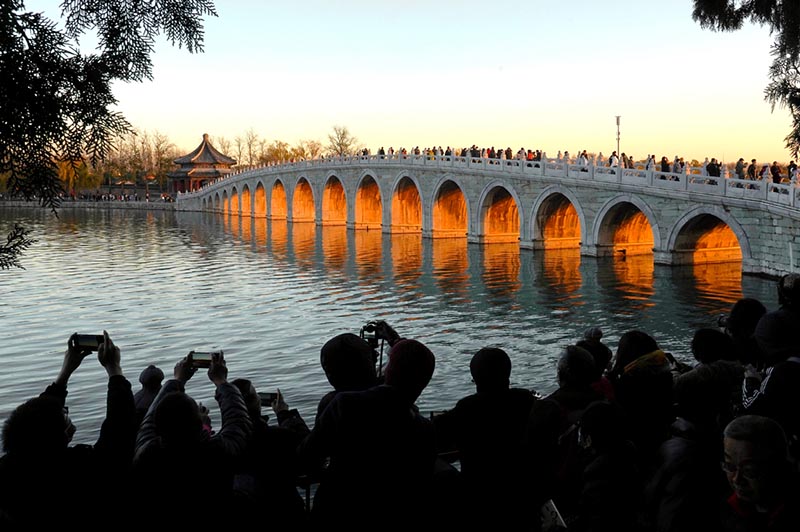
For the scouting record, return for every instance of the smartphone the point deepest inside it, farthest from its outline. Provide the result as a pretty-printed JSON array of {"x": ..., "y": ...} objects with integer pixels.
[
  {"x": 436, "y": 413},
  {"x": 89, "y": 341},
  {"x": 267, "y": 398},
  {"x": 202, "y": 359}
]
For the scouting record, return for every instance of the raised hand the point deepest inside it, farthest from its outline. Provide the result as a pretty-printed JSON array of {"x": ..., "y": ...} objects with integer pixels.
[
  {"x": 279, "y": 404},
  {"x": 184, "y": 369},
  {"x": 218, "y": 371},
  {"x": 109, "y": 356},
  {"x": 73, "y": 357}
]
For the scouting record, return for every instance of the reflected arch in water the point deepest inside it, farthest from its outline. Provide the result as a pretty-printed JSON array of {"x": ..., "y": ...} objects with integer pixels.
[
  {"x": 260, "y": 201},
  {"x": 334, "y": 248},
  {"x": 557, "y": 221},
  {"x": 501, "y": 269},
  {"x": 450, "y": 212},
  {"x": 369, "y": 209},
  {"x": 626, "y": 225},
  {"x": 334, "y": 202},
  {"x": 303, "y": 201},
  {"x": 406, "y": 206},
  {"x": 499, "y": 214},
  {"x": 708, "y": 234},
  {"x": 278, "y": 204}
]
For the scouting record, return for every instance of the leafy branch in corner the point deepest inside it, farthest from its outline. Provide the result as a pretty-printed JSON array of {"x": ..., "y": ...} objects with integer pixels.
[{"x": 16, "y": 242}]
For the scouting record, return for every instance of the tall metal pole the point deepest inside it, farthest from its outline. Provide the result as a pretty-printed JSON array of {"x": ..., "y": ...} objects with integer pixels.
[{"x": 618, "y": 154}]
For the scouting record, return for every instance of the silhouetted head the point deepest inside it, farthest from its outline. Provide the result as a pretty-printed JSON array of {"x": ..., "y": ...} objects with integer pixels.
[
  {"x": 576, "y": 367},
  {"x": 349, "y": 363},
  {"x": 37, "y": 427},
  {"x": 710, "y": 345},
  {"x": 600, "y": 353},
  {"x": 631, "y": 346},
  {"x": 151, "y": 378},
  {"x": 744, "y": 317},
  {"x": 249, "y": 395},
  {"x": 177, "y": 420},
  {"x": 410, "y": 367},
  {"x": 490, "y": 369},
  {"x": 777, "y": 336}
]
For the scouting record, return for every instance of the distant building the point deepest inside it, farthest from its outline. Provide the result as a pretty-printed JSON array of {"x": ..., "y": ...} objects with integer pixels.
[{"x": 202, "y": 166}]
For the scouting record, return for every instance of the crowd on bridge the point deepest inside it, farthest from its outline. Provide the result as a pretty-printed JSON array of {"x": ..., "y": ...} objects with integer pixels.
[
  {"x": 629, "y": 441},
  {"x": 706, "y": 170}
]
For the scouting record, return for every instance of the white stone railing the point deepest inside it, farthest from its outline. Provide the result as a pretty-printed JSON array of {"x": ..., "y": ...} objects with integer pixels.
[{"x": 783, "y": 194}]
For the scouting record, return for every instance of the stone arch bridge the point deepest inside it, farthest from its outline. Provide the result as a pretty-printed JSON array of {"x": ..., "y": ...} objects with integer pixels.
[{"x": 679, "y": 218}]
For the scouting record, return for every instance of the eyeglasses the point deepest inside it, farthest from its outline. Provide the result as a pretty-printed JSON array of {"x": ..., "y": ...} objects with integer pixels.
[{"x": 749, "y": 471}]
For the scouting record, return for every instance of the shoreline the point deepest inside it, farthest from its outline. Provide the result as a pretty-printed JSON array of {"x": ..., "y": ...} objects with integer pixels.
[{"x": 66, "y": 204}]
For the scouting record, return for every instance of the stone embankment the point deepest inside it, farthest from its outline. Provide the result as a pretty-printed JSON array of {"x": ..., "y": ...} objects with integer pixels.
[{"x": 87, "y": 204}]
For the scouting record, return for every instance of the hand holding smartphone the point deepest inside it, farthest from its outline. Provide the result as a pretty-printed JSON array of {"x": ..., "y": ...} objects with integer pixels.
[{"x": 202, "y": 359}]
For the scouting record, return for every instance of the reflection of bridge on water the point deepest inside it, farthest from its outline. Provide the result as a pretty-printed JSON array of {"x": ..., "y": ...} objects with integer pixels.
[{"x": 678, "y": 218}]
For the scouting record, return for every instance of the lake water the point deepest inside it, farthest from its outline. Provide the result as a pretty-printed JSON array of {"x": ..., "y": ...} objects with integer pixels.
[{"x": 270, "y": 294}]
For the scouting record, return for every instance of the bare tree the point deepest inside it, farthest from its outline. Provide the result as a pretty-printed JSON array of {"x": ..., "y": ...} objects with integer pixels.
[
  {"x": 223, "y": 145},
  {"x": 251, "y": 141},
  {"x": 163, "y": 153},
  {"x": 341, "y": 142},
  {"x": 307, "y": 149},
  {"x": 238, "y": 149}
]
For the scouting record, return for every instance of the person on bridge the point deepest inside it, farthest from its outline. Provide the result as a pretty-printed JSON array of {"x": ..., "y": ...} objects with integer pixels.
[
  {"x": 751, "y": 170},
  {"x": 740, "y": 168},
  {"x": 775, "y": 170}
]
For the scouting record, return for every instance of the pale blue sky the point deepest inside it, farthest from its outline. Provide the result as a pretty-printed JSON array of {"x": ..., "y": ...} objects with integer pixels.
[{"x": 548, "y": 75}]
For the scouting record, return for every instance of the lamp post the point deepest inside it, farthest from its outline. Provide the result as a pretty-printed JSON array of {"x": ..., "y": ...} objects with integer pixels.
[{"x": 618, "y": 154}]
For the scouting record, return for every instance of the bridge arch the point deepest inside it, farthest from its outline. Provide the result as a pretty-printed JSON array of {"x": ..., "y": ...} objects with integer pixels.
[
  {"x": 499, "y": 214},
  {"x": 406, "y": 205},
  {"x": 450, "y": 210},
  {"x": 260, "y": 201},
  {"x": 303, "y": 201},
  {"x": 236, "y": 205},
  {"x": 278, "y": 202},
  {"x": 246, "y": 201},
  {"x": 368, "y": 204},
  {"x": 706, "y": 234},
  {"x": 626, "y": 222},
  {"x": 217, "y": 204},
  {"x": 557, "y": 219},
  {"x": 334, "y": 202},
  {"x": 226, "y": 203}
]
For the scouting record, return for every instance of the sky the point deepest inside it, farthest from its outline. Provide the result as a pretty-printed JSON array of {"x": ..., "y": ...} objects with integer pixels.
[{"x": 536, "y": 74}]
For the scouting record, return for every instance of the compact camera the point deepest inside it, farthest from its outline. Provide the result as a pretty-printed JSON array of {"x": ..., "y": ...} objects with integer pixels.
[
  {"x": 369, "y": 333},
  {"x": 89, "y": 341}
]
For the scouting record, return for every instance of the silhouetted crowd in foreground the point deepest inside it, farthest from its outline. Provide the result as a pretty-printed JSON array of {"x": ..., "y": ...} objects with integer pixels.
[{"x": 631, "y": 441}]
